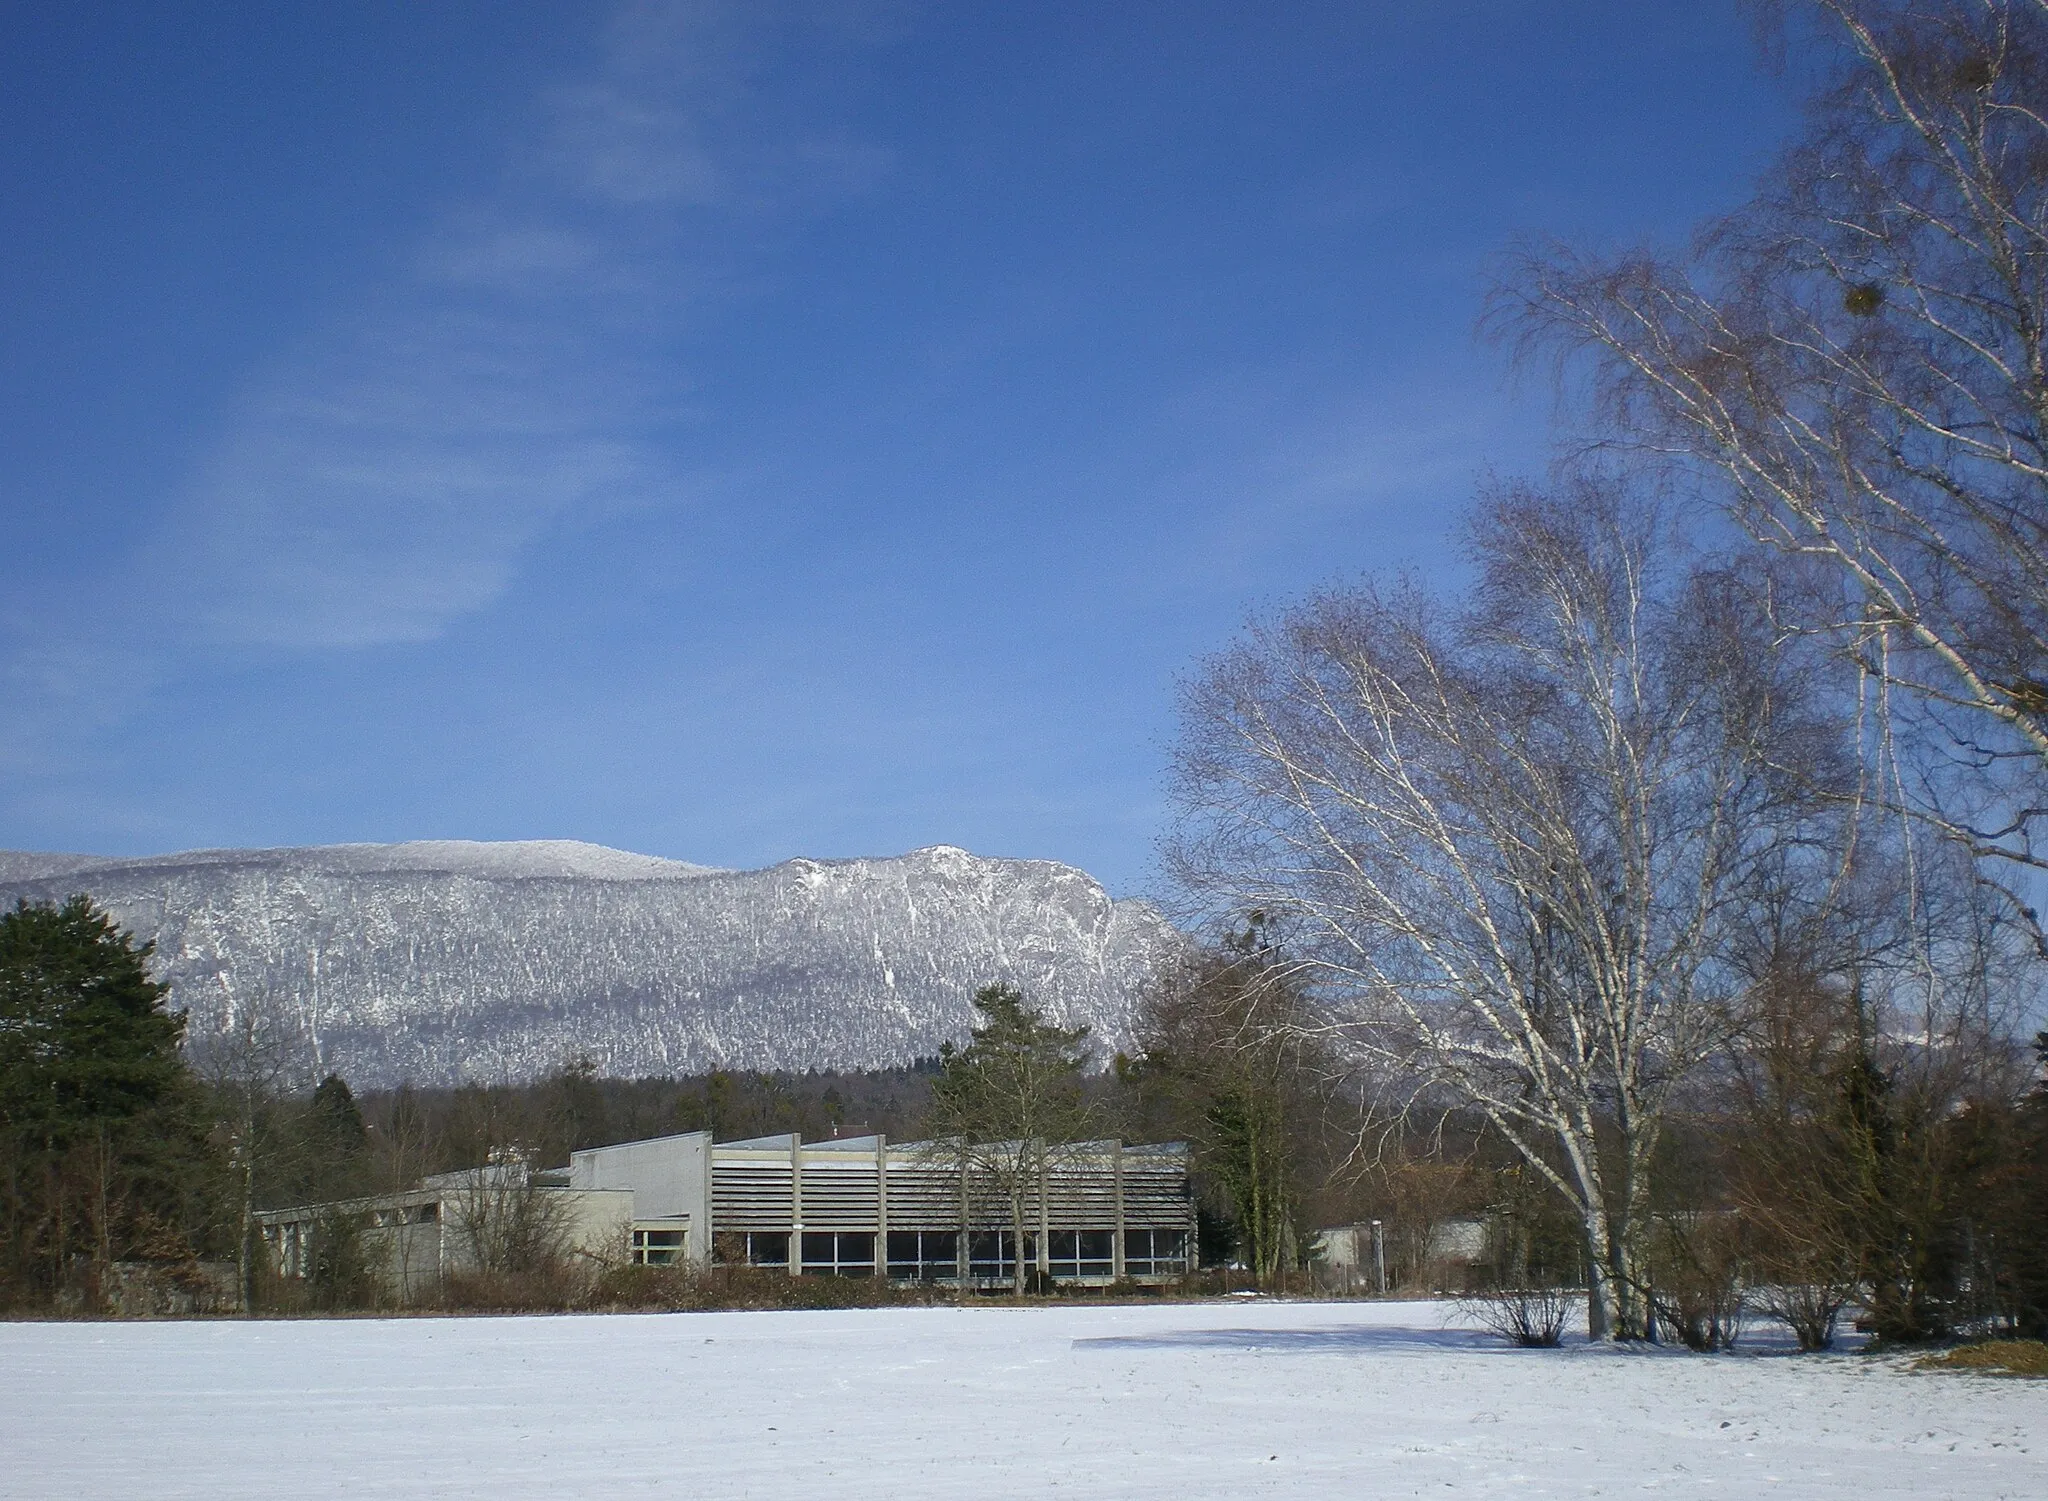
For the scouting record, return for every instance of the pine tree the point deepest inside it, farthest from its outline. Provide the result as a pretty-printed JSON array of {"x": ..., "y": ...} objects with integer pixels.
[
  {"x": 328, "y": 1156},
  {"x": 1008, "y": 1103},
  {"x": 95, "y": 1101}
]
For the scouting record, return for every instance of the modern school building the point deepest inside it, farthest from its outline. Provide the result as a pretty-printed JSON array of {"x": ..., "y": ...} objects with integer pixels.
[{"x": 1095, "y": 1213}]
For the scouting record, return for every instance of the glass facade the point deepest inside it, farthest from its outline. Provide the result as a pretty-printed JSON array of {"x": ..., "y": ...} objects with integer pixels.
[
  {"x": 1155, "y": 1253},
  {"x": 1082, "y": 1253},
  {"x": 924, "y": 1255},
  {"x": 992, "y": 1255},
  {"x": 917, "y": 1212},
  {"x": 753, "y": 1247},
  {"x": 839, "y": 1253}
]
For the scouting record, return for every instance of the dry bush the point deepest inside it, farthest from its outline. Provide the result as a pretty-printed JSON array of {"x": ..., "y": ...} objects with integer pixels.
[
  {"x": 1696, "y": 1288},
  {"x": 1810, "y": 1310},
  {"x": 1531, "y": 1317},
  {"x": 548, "y": 1289},
  {"x": 683, "y": 1287}
]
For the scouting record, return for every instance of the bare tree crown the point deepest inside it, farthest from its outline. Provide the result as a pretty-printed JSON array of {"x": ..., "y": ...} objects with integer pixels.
[{"x": 1855, "y": 363}]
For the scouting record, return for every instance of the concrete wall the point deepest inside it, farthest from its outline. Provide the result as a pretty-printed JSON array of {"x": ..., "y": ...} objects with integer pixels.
[
  {"x": 668, "y": 1178},
  {"x": 416, "y": 1240}
]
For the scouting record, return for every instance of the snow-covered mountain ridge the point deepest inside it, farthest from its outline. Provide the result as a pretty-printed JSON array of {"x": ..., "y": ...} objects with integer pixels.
[{"x": 446, "y": 960}]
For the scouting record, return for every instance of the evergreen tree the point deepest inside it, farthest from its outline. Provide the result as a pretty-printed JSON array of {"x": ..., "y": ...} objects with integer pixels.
[
  {"x": 2013, "y": 1203},
  {"x": 96, "y": 1122},
  {"x": 577, "y": 1109},
  {"x": 333, "y": 1122},
  {"x": 323, "y": 1149},
  {"x": 2030, "y": 1200},
  {"x": 1009, "y": 1103},
  {"x": 84, "y": 1036}
]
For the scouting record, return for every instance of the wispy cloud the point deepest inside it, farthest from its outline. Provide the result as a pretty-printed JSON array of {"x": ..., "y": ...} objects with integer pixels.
[
  {"x": 387, "y": 476},
  {"x": 388, "y": 481},
  {"x": 1299, "y": 488},
  {"x": 513, "y": 370}
]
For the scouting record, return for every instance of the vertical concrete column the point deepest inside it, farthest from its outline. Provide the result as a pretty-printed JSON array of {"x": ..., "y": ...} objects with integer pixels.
[
  {"x": 1044, "y": 1209},
  {"x": 960, "y": 1247},
  {"x": 1116, "y": 1241},
  {"x": 704, "y": 1244},
  {"x": 881, "y": 1205},
  {"x": 796, "y": 1204}
]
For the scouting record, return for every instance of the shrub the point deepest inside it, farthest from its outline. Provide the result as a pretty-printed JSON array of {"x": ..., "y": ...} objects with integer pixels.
[
  {"x": 544, "y": 1290},
  {"x": 1809, "y": 1309},
  {"x": 1531, "y": 1317},
  {"x": 680, "y": 1287},
  {"x": 1696, "y": 1288}
]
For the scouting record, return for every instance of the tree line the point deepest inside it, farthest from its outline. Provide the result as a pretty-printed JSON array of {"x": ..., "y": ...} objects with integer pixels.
[
  {"x": 122, "y": 1145},
  {"x": 1816, "y": 1167}
]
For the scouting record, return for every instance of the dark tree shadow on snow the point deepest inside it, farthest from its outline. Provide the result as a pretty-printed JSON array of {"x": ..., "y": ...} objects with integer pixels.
[
  {"x": 1762, "y": 1339},
  {"x": 1356, "y": 1339}
]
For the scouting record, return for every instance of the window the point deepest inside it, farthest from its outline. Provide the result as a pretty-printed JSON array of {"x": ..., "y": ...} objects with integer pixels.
[
  {"x": 1082, "y": 1253},
  {"x": 924, "y": 1255},
  {"x": 991, "y": 1255},
  {"x": 1155, "y": 1253},
  {"x": 653, "y": 1247},
  {"x": 839, "y": 1253},
  {"x": 756, "y": 1247}
]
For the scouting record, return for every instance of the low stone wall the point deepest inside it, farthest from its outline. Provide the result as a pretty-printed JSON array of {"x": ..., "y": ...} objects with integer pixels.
[{"x": 170, "y": 1289}]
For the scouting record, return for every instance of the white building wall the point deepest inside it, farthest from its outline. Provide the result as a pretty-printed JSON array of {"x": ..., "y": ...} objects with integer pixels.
[{"x": 669, "y": 1178}]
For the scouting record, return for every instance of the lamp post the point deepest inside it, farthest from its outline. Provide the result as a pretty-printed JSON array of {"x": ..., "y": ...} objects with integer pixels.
[{"x": 1379, "y": 1259}]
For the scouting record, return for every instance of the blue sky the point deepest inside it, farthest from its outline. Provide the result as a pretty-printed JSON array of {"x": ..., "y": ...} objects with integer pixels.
[{"x": 732, "y": 432}]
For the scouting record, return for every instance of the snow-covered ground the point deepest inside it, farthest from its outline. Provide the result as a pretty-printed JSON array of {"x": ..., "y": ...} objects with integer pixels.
[{"x": 1182, "y": 1402}]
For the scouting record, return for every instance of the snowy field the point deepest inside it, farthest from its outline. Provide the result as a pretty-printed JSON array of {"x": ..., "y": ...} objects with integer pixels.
[{"x": 1182, "y": 1402}]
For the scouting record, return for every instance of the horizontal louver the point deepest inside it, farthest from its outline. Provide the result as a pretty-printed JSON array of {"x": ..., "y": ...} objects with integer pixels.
[
  {"x": 749, "y": 1196},
  {"x": 840, "y": 1197},
  {"x": 926, "y": 1195}
]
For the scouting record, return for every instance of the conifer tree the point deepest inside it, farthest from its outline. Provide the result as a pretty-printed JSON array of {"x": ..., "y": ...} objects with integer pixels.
[
  {"x": 93, "y": 1091},
  {"x": 1009, "y": 1103}
]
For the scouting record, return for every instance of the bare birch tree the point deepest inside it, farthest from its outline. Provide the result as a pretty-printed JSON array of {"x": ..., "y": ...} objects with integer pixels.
[
  {"x": 1857, "y": 364},
  {"x": 251, "y": 1060},
  {"x": 1504, "y": 839}
]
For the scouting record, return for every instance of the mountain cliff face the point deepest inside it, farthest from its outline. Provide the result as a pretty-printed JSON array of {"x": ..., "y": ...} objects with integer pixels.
[{"x": 445, "y": 961}]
